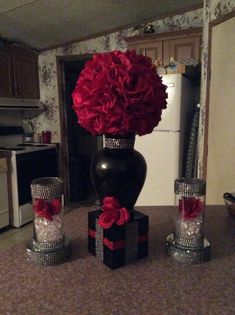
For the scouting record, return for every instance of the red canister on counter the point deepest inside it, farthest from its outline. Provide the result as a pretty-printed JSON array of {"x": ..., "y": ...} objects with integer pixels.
[{"x": 46, "y": 136}]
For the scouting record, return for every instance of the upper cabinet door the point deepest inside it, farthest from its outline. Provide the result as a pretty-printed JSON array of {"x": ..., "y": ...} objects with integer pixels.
[
  {"x": 6, "y": 80},
  {"x": 25, "y": 68},
  {"x": 182, "y": 48},
  {"x": 163, "y": 46},
  {"x": 152, "y": 50}
]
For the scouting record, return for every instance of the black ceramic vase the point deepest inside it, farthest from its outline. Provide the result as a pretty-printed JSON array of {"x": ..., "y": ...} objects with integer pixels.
[{"x": 119, "y": 171}]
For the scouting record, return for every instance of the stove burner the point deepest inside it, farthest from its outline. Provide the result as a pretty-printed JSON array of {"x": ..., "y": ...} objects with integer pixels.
[
  {"x": 11, "y": 149},
  {"x": 25, "y": 144},
  {"x": 31, "y": 145},
  {"x": 26, "y": 148},
  {"x": 40, "y": 145}
]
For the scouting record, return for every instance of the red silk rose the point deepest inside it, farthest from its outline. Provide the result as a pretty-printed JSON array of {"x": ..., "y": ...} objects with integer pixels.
[
  {"x": 55, "y": 206},
  {"x": 113, "y": 213},
  {"x": 190, "y": 207},
  {"x": 119, "y": 93},
  {"x": 46, "y": 209}
]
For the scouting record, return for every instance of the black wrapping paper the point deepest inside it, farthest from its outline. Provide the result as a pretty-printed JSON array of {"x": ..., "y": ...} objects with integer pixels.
[{"x": 133, "y": 236}]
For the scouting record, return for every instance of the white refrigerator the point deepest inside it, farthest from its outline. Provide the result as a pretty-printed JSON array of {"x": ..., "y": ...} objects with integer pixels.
[{"x": 163, "y": 149}]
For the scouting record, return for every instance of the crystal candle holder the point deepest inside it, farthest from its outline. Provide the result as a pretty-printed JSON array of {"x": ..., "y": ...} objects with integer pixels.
[
  {"x": 188, "y": 244},
  {"x": 49, "y": 245},
  {"x": 190, "y": 206},
  {"x": 48, "y": 209}
]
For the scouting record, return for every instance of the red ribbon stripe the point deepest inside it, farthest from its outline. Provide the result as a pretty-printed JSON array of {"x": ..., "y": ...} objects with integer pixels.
[{"x": 117, "y": 244}]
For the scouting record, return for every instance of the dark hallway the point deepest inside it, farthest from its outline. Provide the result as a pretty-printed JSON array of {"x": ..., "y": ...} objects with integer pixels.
[{"x": 81, "y": 144}]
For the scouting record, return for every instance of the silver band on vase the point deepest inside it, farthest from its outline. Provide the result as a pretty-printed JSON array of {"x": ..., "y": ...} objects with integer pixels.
[
  {"x": 47, "y": 187},
  {"x": 125, "y": 143}
]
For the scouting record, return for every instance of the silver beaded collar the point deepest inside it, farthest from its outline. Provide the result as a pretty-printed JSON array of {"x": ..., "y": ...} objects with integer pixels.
[
  {"x": 126, "y": 143},
  {"x": 47, "y": 187}
]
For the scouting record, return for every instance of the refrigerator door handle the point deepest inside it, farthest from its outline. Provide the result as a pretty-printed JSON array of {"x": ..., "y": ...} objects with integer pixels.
[
  {"x": 170, "y": 85},
  {"x": 165, "y": 130}
]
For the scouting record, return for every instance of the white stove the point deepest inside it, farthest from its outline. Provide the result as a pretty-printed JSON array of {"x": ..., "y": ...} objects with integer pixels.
[{"x": 23, "y": 148}]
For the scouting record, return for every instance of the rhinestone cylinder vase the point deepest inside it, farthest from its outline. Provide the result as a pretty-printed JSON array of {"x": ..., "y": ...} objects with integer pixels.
[
  {"x": 49, "y": 245},
  {"x": 188, "y": 244},
  {"x": 118, "y": 170}
]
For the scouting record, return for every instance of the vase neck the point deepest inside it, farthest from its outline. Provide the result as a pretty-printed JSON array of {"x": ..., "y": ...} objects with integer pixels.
[{"x": 119, "y": 143}]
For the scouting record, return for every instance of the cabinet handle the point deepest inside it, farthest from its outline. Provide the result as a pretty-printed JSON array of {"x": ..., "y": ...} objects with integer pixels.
[
  {"x": 13, "y": 92},
  {"x": 17, "y": 92}
]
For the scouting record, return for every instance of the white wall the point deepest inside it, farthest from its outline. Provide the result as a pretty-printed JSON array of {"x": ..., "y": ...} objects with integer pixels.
[{"x": 221, "y": 129}]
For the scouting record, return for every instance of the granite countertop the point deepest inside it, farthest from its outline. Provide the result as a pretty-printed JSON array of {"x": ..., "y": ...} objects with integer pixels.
[{"x": 154, "y": 285}]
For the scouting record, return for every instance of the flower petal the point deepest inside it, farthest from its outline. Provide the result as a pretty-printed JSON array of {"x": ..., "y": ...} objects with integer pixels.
[
  {"x": 110, "y": 203},
  {"x": 124, "y": 216},
  {"x": 107, "y": 219},
  {"x": 56, "y": 206}
]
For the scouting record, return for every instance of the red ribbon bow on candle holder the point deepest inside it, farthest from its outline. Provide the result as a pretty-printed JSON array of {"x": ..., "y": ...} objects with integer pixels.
[{"x": 113, "y": 213}]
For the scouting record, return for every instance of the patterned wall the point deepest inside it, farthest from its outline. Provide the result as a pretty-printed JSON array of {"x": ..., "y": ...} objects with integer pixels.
[
  {"x": 48, "y": 68},
  {"x": 48, "y": 71}
]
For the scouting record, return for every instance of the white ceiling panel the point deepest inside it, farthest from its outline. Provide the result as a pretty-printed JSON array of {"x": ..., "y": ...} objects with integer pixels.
[
  {"x": 8, "y": 5},
  {"x": 46, "y": 23}
]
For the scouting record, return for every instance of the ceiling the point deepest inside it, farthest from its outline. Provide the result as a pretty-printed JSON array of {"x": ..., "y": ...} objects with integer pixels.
[{"x": 43, "y": 24}]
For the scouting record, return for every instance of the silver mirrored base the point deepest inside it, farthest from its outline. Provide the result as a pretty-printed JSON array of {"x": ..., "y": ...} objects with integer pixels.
[
  {"x": 187, "y": 255},
  {"x": 49, "y": 257}
]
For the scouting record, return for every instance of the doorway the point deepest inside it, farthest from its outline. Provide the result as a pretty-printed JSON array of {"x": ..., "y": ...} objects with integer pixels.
[
  {"x": 77, "y": 144},
  {"x": 221, "y": 111}
]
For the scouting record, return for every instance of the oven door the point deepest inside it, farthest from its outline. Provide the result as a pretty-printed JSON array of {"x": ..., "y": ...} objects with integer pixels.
[{"x": 32, "y": 165}]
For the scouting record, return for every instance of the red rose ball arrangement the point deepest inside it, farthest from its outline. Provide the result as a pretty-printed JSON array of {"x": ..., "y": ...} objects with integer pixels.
[{"x": 119, "y": 93}]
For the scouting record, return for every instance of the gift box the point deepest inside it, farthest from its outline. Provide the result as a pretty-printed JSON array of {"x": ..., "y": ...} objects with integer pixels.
[{"x": 119, "y": 244}]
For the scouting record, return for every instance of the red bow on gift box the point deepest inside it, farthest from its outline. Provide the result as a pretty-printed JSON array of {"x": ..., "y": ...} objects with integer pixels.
[{"x": 113, "y": 213}]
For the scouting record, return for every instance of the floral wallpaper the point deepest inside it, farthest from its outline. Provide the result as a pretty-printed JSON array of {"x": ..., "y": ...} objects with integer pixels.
[
  {"x": 179, "y": 22},
  {"x": 48, "y": 67}
]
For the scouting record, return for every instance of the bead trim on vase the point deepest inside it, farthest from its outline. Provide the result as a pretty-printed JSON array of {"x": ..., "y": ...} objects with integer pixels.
[
  {"x": 190, "y": 187},
  {"x": 48, "y": 246},
  {"x": 46, "y": 187},
  {"x": 112, "y": 143}
]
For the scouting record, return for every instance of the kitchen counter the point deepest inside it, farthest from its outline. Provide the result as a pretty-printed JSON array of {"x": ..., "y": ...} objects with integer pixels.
[
  {"x": 156, "y": 285},
  {"x": 5, "y": 154}
]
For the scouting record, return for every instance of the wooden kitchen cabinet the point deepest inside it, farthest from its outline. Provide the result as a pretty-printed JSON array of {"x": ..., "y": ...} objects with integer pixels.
[
  {"x": 6, "y": 77},
  {"x": 18, "y": 72},
  {"x": 152, "y": 49},
  {"x": 163, "y": 46},
  {"x": 181, "y": 48}
]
